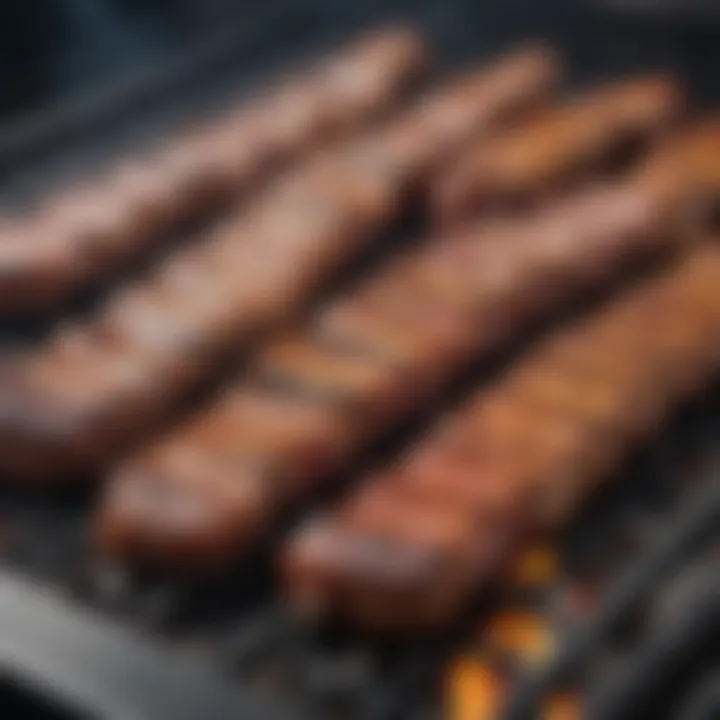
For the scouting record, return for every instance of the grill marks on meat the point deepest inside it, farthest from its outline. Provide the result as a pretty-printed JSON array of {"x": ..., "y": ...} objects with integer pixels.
[
  {"x": 80, "y": 236},
  {"x": 557, "y": 147},
  {"x": 517, "y": 457},
  {"x": 368, "y": 359},
  {"x": 159, "y": 338}
]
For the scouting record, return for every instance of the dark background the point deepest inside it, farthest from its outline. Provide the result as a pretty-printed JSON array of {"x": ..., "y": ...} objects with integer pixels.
[{"x": 51, "y": 49}]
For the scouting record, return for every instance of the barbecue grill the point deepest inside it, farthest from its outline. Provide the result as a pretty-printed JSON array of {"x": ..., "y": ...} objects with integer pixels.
[{"x": 81, "y": 639}]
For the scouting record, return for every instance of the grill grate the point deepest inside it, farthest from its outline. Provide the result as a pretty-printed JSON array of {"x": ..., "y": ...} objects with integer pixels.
[
  {"x": 240, "y": 629},
  {"x": 616, "y": 595}
]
